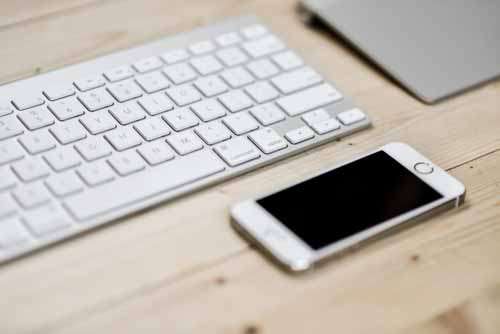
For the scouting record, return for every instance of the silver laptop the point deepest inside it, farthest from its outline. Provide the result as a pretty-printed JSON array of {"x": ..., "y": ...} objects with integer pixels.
[{"x": 435, "y": 49}]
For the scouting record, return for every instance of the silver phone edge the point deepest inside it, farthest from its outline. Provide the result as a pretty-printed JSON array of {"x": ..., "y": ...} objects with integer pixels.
[{"x": 453, "y": 203}]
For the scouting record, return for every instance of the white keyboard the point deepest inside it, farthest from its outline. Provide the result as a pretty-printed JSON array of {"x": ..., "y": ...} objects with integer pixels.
[{"x": 87, "y": 144}]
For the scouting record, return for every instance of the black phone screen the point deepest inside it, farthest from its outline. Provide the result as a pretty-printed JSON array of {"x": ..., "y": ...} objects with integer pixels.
[{"x": 347, "y": 200}]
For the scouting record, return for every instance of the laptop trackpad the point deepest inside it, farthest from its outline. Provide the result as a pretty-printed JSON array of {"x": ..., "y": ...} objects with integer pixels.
[{"x": 433, "y": 48}]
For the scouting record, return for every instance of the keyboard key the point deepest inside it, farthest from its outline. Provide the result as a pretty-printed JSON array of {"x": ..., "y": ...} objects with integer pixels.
[
  {"x": 7, "y": 206},
  {"x": 98, "y": 122},
  {"x": 30, "y": 169},
  {"x": 37, "y": 142},
  {"x": 156, "y": 152},
  {"x": 152, "y": 82},
  {"x": 237, "y": 77},
  {"x": 237, "y": 151},
  {"x": 236, "y": 100},
  {"x": 88, "y": 83},
  {"x": 351, "y": 116},
  {"x": 36, "y": 118},
  {"x": 93, "y": 148},
  {"x": 185, "y": 142},
  {"x": 309, "y": 99},
  {"x": 183, "y": 95},
  {"x": 126, "y": 163},
  {"x": 180, "y": 73},
  {"x": 68, "y": 132},
  {"x": 315, "y": 116},
  {"x": 267, "y": 114},
  {"x": 268, "y": 140},
  {"x": 27, "y": 102},
  {"x": 263, "y": 68},
  {"x": 156, "y": 104},
  {"x": 119, "y": 73},
  {"x": 206, "y": 65},
  {"x": 261, "y": 91},
  {"x": 123, "y": 138},
  {"x": 208, "y": 110},
  {"x": 10, "y": 127},
  {"x": 12, "y": 233},
  {"x": 148, "y": 64},
  {"x": 97, "y": 99},
  {"x": 130, "y": 190},
  {"x": 6, "y": 108},
  {"x": 263, "y": 46},
  {"x": 67, "y": 108},
  {"x": 254, "y": 31},
  {"x": 181, "y": 119},
  {"x": 287, "y": 60},
  {"x": 10, "y": 151},
  {"x": 201, "y": 47},
  {"x": 326, "y": 126},
  {"x": 46, "y": 220},
  {"x": 296, "y": 80},
  {"x": 240, "y": 123},
  {"x": 299, "y": 135},
  {"x": 96, "y": 173},
  {"x": 228, "y": 39},
  {"x": 30, "y": 196},
  {"x": 211, "y": 86},
  {"x": 62, "y": 159},
  {"x": 127, "y": 113},
  {"x": 232, "y": 56},
  {"x": 62, "y": 185},
  {"x": 7, "y": 179},
  {"x": 213, "y": 133},
  {"x": 125, "y": 90},
  {"x": 175, "y": 56},
  {"x": 152, "y": 128},
  {"x": 58, "y": 92}
]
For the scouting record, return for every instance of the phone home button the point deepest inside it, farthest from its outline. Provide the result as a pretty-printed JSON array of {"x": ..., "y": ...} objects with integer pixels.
[
  {"x": 273, "y": 234},
  {"x": 423, "y": 168}
]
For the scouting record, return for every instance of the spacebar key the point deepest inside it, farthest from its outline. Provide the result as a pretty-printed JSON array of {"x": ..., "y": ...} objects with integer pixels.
[{"x": 155, "y": 181}]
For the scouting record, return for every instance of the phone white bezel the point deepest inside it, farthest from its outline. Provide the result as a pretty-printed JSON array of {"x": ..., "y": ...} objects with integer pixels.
[{"x": 292, "y": 252}]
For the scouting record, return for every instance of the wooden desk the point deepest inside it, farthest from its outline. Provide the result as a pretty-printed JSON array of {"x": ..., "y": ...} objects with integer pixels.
[{"x": 181, "y": 269}]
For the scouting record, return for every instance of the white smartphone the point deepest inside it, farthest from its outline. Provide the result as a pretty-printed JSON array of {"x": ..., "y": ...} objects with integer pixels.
[{"x": 360, "y": 200}]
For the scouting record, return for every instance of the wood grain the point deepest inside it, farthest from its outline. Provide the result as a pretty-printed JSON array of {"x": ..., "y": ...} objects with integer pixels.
[
  {"x": 175, "y": 269},
  {"x": 21, "y": 12},
  {"x": 478, "y": 315}
]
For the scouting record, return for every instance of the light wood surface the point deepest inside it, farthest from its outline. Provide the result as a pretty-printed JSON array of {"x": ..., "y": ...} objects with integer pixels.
[{"x": 180, "y": 268}]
